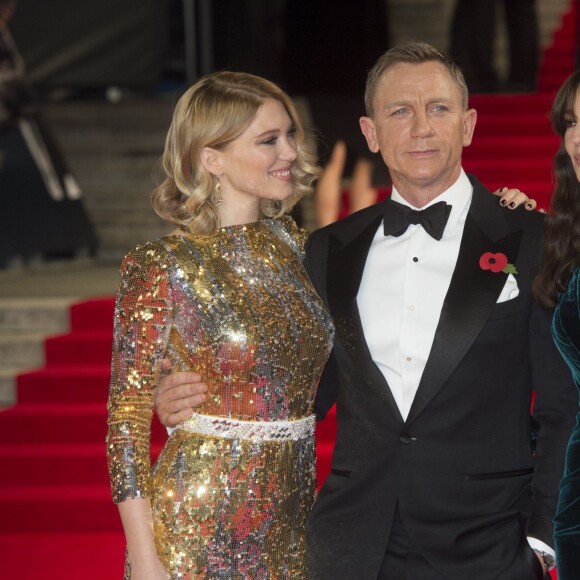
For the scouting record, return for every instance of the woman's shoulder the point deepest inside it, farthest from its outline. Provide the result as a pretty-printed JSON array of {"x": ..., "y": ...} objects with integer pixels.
[
  {"x": 298, "y": 234},
  {"x": 287, "y": 222},
  {"x": 146, "y": 256}
]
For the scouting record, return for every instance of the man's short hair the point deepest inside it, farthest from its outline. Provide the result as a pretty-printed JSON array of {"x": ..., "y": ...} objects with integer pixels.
[{"x": 411, "y": 53}]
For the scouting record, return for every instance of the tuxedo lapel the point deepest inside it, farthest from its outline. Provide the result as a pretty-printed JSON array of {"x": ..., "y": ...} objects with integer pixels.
[
  {"x": 346, "y": 261},
  {"x": 472, "y": 294}
]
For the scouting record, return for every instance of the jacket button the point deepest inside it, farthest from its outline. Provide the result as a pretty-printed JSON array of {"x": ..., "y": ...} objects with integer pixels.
[{"x": 405, "y": 439}]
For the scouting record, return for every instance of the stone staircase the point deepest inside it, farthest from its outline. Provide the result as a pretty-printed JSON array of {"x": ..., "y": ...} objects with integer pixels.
[
  {"x": 24, "y": 324},
  {"x": 35, "y": 304},
  {"x": 112, "y": 148},
  {"x": 549, "y": 18}
]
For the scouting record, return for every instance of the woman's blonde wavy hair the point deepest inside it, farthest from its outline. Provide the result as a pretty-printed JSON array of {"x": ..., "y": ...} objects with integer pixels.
[{"x": 212, "y": 113}]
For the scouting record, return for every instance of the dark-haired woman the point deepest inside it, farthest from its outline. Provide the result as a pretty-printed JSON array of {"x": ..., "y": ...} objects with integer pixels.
[{"x": 558, "y": 284}]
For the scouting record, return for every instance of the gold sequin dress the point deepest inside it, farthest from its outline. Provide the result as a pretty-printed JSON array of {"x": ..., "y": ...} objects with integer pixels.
[{"x": 239, "y": 309}]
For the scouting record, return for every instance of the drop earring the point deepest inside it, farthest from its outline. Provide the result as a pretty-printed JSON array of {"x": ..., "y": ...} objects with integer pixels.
[{"x": 218, "y": 193}]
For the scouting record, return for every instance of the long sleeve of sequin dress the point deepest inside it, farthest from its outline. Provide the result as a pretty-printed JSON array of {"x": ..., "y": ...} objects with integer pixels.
[
  {"x": 566, "y": 330},
  {"x": 233, "y": 486},
  {"x": 142, "y": 320}
]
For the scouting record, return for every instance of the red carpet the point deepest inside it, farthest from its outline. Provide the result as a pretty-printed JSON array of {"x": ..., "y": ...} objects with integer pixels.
[{"x": 57, "y": 518}]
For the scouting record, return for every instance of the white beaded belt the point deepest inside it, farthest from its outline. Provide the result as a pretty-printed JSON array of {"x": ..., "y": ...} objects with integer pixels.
[{"x": 252, "y": 430}]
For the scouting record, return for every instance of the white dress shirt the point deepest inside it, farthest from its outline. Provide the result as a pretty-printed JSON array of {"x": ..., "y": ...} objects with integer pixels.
[{"x": 402, "y": 290}]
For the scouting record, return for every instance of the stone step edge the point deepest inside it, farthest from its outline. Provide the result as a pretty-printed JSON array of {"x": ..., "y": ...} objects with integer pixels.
[{"x": 8, "y": 391}]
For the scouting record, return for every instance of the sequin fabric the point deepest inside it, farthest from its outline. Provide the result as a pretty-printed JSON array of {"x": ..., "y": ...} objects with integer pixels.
[{"x": 239, "y": 309}]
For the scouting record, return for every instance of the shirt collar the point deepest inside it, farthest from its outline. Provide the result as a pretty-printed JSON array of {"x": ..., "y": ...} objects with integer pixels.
[{"x": 458, "y": 196}]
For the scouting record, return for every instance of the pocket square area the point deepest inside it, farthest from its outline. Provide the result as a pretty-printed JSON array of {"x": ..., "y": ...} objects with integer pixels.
[{"x": 510, "y": 290}]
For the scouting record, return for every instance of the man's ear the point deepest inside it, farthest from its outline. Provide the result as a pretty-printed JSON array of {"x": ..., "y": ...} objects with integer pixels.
[
  {"x": 367, "y": 126},
  {"x": 469, "y": 122},
  {"x": 212, "y": 160}
]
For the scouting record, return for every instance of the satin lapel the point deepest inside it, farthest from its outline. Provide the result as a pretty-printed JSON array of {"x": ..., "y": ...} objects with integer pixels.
[
  {"x": 472, "y": 295},
  {"x": 346, "y": 264}
]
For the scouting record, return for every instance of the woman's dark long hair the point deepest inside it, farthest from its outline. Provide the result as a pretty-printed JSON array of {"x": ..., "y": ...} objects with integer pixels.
[{"x": 561, "y": 242}]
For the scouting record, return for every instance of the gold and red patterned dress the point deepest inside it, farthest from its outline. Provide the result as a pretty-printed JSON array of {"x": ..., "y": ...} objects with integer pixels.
[{"x": 233, "y": 486}]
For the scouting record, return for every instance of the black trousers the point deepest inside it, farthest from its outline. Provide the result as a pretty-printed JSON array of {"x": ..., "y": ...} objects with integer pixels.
[
  {"x": 473, "y": 37},
  {"x": 403, "y": 561}
]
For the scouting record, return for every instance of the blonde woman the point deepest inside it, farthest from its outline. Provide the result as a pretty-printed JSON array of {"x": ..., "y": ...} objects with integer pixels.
[{"x": 226, "y": 296}]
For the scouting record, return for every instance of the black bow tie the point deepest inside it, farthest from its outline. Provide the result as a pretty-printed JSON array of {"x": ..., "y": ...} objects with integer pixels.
[{"x": 433, "y": 218}]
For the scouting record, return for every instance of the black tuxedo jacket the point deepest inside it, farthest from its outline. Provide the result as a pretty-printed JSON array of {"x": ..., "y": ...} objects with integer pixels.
[{"x": 461, "y": 467}]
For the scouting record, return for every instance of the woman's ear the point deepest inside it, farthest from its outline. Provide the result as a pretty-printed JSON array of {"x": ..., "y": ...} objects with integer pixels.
[{"x": 211, "y": 159}]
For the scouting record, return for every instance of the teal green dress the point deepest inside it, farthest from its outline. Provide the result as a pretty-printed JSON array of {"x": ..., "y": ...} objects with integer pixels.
[{"x": 566, "y": 330}]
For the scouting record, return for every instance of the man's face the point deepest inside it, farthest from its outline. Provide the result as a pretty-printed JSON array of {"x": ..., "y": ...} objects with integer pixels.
[{"x": 420, "y": 128}]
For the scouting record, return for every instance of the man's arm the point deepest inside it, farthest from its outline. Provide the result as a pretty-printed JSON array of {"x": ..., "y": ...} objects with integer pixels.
[
  {"x": 327, "y": 392},
  {"x": 554, "y": 412},
  {"x": 177, "y": 395},
  {"x": 327, "y": 389}
]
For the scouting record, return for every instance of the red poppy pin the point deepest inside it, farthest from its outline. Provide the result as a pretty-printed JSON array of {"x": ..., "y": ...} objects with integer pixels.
[{"x": 496, "y": 263}]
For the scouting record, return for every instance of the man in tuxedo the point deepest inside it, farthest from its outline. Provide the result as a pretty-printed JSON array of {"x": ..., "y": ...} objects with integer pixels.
[{"x": 439, "y": 347}]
